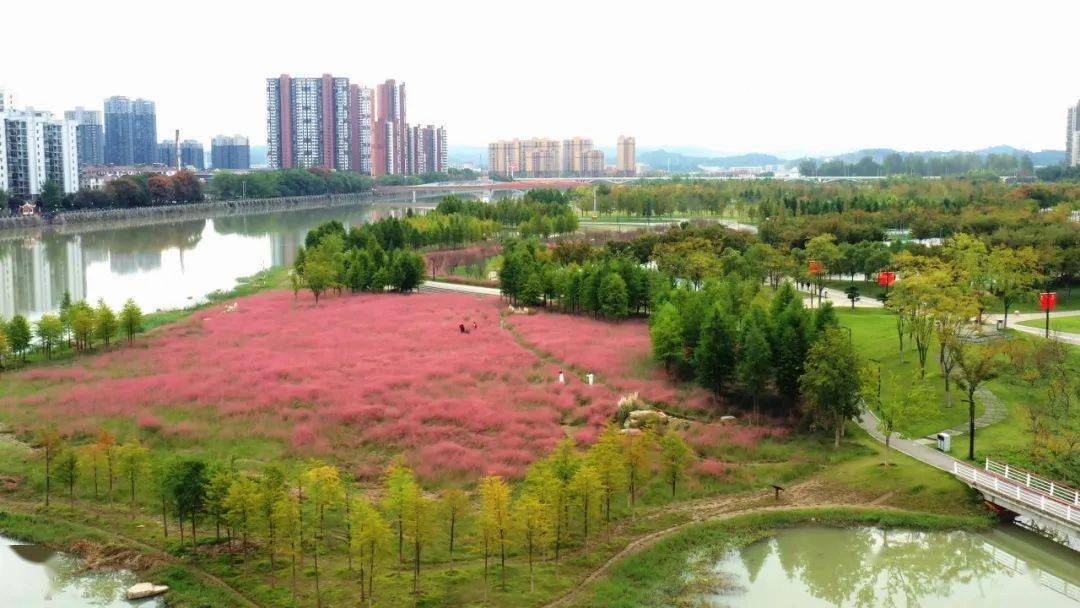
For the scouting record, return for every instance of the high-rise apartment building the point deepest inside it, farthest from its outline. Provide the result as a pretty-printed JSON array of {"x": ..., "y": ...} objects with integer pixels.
[
  {"x": 1072, "y": 137},
  {"x": 7, "y": 100},
  {"x": 130, "y": 131},
  {"x": 572, "y": 159},
  {"x": 626, "y": 156},
  {"x": 503, "y": 157},
  {"x": 230, "y": 152},
  {"x": 539, "y": 157},
  {"x": 191, "y": 154},
  {"x": 307, "y": 122},
  {"x": 389, "y": 145},
  {"x": 360, "y": 126},
  {"x": 89, "y": 135},
  {"x": 35, "y": 148},
  {"x": 427, "y": 149},
  {"x": 592, "y": 163}
]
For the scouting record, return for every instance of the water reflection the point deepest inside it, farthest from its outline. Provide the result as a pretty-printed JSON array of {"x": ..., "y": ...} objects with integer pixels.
[
  {"x": 161, "y": 266},
  {"x": 871, "y": 567},
  {"x": 32, "y": 576}
]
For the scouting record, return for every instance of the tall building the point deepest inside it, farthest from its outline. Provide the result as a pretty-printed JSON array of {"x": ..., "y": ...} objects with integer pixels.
[
  {"x": 389, "y": 143},
  {"x": 191, "y": 154},
  {"x": 626, "y": 156},
  {"x": 503, "y": 157},
  {"x": 572, "y": 159},
  {"x": 360, "y": 125},
  {"x": 307, "y": 122},
  {"x": 130, "y": 131},
  {"x": 427, "y": 149},
  {"x": 89, "y": 135},
  {"x": 1072, "y": 137},
  {"x": 230, "y": 152},
  {"x": 36, "y": 147},
  {"x": 592, "y": 163},
  {"x": 7, "y": 100}
]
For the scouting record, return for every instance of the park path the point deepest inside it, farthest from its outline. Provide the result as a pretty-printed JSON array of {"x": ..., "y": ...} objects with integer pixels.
[{"x": 1016, "y": 319}]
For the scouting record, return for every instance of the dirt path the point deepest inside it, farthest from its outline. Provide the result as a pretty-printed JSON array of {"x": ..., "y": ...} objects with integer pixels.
[
  {"x": 26, "y": 509},
  {"x": 810, "y": 493}
]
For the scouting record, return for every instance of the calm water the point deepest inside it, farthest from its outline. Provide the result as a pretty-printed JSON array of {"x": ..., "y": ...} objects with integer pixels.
[
  {"x": 869, "y": 567},
  {"x": 32, "y": 576},
  {"x": 162, "y": 266}
]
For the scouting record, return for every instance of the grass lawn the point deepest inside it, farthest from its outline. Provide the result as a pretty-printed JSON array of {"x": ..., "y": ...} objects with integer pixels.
[
  {"x": 1066, "y": 324},
  {"x": 874, "y": 333}
]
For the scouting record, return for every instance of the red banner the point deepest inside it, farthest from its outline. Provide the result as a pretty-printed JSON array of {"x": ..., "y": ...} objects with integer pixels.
[
  {"x": 886, "y": 278},
  {"x": 814, "y": 267},
  {"x": 1048, "y": 300}
]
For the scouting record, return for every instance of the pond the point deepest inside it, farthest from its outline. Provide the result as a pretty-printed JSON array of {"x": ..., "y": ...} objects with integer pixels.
[
  {"x": 33, "y": 576},
  {"x": 818, "y": 566}
]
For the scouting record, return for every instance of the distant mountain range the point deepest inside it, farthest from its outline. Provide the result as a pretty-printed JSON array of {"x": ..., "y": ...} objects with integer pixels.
[{"x": 676, "y": 161}]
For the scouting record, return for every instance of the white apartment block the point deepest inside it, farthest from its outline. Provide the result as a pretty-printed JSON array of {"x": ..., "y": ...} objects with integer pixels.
[{"x": 36, "y": 147}]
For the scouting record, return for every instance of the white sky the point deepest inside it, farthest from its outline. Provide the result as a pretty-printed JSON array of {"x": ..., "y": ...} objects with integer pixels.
[{"x": 787, "y": 77}]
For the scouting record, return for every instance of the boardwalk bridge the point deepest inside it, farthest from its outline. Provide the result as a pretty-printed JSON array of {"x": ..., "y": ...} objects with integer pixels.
[{"x": 1048, "y": 504}]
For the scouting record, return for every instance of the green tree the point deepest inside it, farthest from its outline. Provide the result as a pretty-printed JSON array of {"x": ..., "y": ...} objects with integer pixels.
[
  {"x": 217, "y": 491},
  {"x": 51, "y": 195},
  {"x": 90, "y": 461},
  {"x": 419, "y": 516},
  {"x": 614, "y": 301},
  {"x": 755, "y": 357},
  {"x": 51, "y": 444},
  {"x": 48, "y": 331},
  {"x": 495, "y": 518},
  {"x": 370, "y": 542},
  {"x": 975, "y": 363},
  {"x": 326, "y": 491},
  {"x": 400, "y": 487},
  {"x": 675, "y": 456},
  {"x": 1013, "y": 274},
  {"x": 105, "y": 324},
  {"x": 67, "y": 471},
  {"x": 82, "y": 325},
  {"x": 271, "y": 485},
  {"x": 19, "y": 335},
  {"x": 131, "y": 319},
  {"x": 714, "y": 355},
  {"x": 898, "y": 410},
  {"x": 286, "y": 515},
  {"x": 241, "y": 504},
  {"x": 832, "y": 381},
  {"x": 586, "y": 489},
  {"x": 5, "y": 344},
  {"x": 665, "y": 332},
  {"x": 455, "y": 506},
  {"x": 606, "y": 456},
  {"x": 638, "y": 458},
  {"x": 132, "y": 463},
  {"x": 189, "y": 492},
  {"x": 531, "y": 527}
]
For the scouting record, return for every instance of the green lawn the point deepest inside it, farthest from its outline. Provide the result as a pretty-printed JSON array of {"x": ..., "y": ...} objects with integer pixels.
[
  {"x": 1066, "y": 324},
  {"x": 874, "y": 333}
]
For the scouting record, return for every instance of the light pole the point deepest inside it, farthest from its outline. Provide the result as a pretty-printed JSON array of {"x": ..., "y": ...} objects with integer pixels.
[{"x": 1047, "y": 301}]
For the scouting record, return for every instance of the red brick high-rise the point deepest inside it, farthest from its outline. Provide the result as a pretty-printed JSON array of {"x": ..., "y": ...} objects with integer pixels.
[{"x": 389, "y": 141}]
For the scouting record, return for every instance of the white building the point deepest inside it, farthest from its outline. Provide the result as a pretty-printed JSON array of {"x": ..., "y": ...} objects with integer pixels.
[
  {"x": 1072, "y": 137},
  {"x": 36, "y": 147}
]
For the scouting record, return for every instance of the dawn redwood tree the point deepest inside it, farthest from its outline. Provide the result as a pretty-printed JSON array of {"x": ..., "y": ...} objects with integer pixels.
[
  {"x": 585, "y": 492},
  {"x": 606, "y": 457},
  {"x": 832, "y": 381},
  {"x": 419, "y": 520},
  {"x": 400, "y": 487},
  {"x": 90, "y": 460},
  {"x": 675, "y": 456},
  {"x": 326, "y": 491},
  {"x": 495, "y": 517},
  {"x": 67, "y": 471},
  {"x": 51, "y": 444},
  {"x": 106, "y": 443},
  {"x": 614, "y": 301},
  {"x": 370, "y": 541},
  {"x": 531, "y": 527},
  {"x": 105, "y": 324},
  {"x": 131, "y": 320},
  {"x": 19, "y": 335},
  {"x": 665, "y": 332},
  {"x": 286, "y": 516},
  {"x": 755, "y": 357},
  {"x": 899, "y": 409},
  {"x": 455, "y": 506},
  {"x": 271, "y": 485},
  {"x": 132, "y": 462},
  {"x": 49, "y": 332},
  {"x": 5, "y": 345},
  {"x": 714, "y": 356},
  {"x": 217, "y": 489},
  {"x": 241, "y": 505},
  {"x": 189, "y": 492},
  {"x": 637, "y": 456}
]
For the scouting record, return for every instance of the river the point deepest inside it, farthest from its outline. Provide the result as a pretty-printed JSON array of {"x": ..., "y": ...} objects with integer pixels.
[
  {"x": 818, "y": 566},
  {"x": 161, "y": 266},
  {"x": 33, "y": 576}
]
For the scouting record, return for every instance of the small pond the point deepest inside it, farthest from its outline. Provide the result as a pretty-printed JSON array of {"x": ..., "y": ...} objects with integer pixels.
[
  {"x": 32, "y": 576},
  {"x": 819, "y": 566}
]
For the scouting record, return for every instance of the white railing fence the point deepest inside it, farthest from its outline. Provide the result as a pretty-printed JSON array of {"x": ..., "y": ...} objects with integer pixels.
[
  {"x": 1046, "y": 486},
  {"x": 1018, "y": 491}
]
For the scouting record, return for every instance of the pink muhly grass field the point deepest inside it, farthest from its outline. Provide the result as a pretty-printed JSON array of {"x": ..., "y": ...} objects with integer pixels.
[{"x": 354, "y": 380}]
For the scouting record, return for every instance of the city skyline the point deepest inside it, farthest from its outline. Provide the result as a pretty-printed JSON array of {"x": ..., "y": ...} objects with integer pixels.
[{"x": 735, "y": 75}]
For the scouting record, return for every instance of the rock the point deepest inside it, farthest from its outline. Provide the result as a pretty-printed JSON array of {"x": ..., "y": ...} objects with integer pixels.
[
  {"x": 630, "y": 431},
  {"x": 727, "y": 420},
  {"x": 140, "y": 590},
  {"x": 640, "y": 418}
]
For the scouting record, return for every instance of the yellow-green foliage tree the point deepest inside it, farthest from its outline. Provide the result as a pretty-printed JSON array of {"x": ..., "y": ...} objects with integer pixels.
[
  {"x": 286, "y": 516},
  {"x": 132, "y": 461},
  {"x": 51, "y": 443},
  {"x": 325, "y": 491},
  {"x": 637, "y": 449},
  {"x": 455, "y": 507},
  {"x": 606, "y": 456},
  {"x": 495, "y": 519},
  {"x": 419, "y": 520},
  {"x": 400, "y": 485},
  {"x": 241, "y": 503},
  {"x": 369, "y": 542},
  {"x": 586, "y": 490},
  {"x": 531, "y": 527},
  {"x": 675, "y": 456}
]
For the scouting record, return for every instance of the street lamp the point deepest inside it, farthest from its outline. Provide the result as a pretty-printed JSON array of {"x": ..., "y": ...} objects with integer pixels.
[{"x": 1047, "y": 301}]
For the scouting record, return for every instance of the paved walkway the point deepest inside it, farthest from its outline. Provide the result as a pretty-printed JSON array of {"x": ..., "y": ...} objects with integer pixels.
[
  {"x": 994, "y": 411},
  {"x": 441, "y": 287},
  {"x": 918, "y": 451},
  {"x": 1016, "y": 319},
  {"x": 839, "y": 299}
]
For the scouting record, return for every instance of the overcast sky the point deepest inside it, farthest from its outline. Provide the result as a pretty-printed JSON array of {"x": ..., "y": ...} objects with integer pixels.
[{"x": 779, "y": 76}]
